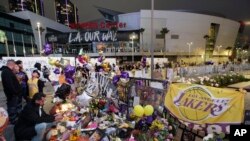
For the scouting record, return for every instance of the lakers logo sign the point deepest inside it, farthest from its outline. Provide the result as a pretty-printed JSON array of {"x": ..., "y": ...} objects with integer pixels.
[{"x": 196, "y": 103}]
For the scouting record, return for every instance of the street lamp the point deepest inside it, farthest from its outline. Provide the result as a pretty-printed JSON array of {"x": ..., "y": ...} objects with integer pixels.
[
  {"x": 220, "y": 46},
  {"x": 189, "y": 46},
  {"x": 3, "y": 39},
  {"x": 39, "y": 36},
  {"x": 132, "y": 37}
]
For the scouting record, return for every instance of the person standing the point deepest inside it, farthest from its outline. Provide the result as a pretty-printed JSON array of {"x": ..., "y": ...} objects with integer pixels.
[
  {"x": 35, "y": 84},
  {"x": 46, "y": 73},
  {"x": 24, "y": 80},
  {"x": 33, "y": 121},
  {"x": 12, "y": 90}
]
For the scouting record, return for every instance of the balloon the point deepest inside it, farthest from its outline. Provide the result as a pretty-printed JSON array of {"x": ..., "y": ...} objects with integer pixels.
[
  {"x": 69, "y": 70},
  {"x": 64, "y": 62},
  {"x": 70, "y": 80},
  {"x": 105, "y": 65},
  {"x": 148, "y": 110},
  {"x": 80, "y": 52},
  {"x": 57, "y": 71},
  {"x": 124, "y": 75},
  {"x": 138, "y": 110},
  {"x": 116, "y": 79},
  {"x": 86, "y": 58},
  {"x": 100, "y": 52},
  {"x": 83, "y": 99},
  {"x": 47, "y": 49},
  {"x": 81, "y": 60},
  {"x": 57, "y": 63},
  {"x": 149, "y": 119},
  {"x": 52, "y": 61},
  {"x": 106, "y": 69},
  {"x": 100, "y": 59}
]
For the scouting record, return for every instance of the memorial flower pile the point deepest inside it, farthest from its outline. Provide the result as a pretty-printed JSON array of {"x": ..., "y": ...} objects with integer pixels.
[{"x": 221, "y": 80}]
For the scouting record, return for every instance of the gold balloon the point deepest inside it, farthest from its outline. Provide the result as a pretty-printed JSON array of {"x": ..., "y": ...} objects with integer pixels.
[
  {"x": 86, "y": 58},
  {"x": 106, "y": 69},
  {"x": 105, "y": 65},
  {"x": 57, "y": 63}
]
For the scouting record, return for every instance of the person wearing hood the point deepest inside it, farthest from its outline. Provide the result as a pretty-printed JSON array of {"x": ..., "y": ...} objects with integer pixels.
[{"x": 12, "y": 90}]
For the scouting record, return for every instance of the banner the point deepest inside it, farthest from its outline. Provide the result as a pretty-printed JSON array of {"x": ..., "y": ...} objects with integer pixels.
[
  {"x": 91, "y": 36},
  {"x": 205, "y": 108}
]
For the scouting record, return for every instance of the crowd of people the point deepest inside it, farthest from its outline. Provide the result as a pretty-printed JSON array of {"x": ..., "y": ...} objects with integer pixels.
[{"x": 25, "y": 99}]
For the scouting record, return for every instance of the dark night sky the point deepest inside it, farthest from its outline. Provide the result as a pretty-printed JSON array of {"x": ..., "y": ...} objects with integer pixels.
[{"x": 232, "y": 9}]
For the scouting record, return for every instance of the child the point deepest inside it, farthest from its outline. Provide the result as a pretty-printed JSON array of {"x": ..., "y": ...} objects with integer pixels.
[{"x": 35, "y": 84}]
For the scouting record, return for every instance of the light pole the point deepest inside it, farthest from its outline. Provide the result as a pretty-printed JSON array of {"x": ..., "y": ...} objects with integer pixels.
[
  {"x": 39, "y": 36},
  {"x": 152, "y": 38},
  {"x": 220, "y": 46},
  {"x": 132, "y": 37},
  {"x": 189, "y": 46}
]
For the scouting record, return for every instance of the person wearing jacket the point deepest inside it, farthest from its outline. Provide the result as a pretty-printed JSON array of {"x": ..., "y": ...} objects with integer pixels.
[
  {"x": 33, "y": 121},
  {"x": 12, "y": 90},
  {"x": 24, "y": 80}
]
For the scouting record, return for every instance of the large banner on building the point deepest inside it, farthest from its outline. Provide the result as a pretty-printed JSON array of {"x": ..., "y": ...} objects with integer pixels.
[
  {"x": 205, "y": 108},
  {"x": 91, "y": 36}
]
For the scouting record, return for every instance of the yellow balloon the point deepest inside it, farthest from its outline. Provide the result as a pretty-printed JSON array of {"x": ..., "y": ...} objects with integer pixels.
[
  {"x": 52, "y": 61},
  {"x": 148, "y": 110},
  {"x": 138, "y": 110}
]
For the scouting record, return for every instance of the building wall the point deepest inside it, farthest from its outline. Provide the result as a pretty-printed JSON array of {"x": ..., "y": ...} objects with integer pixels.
[
  {"x": 44, "y": 23},
  {"x": 189, "y": 27},
  {"x": 19, "y": 35},
  {"x": 5, "y": 4},
  {"x": 132, "y": 20},
  {"x": 50, "y": 11}
]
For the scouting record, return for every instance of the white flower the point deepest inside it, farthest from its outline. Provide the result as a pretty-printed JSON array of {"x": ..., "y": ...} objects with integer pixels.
[
  {"x": 216, "y": 85},
  {"x": 209, "y": 136},
  {"x": 212, "y": 84}
]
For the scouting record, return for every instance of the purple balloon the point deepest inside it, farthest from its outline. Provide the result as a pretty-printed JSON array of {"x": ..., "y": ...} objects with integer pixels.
[
  {"x": 69, "y": 70},
  {"x": 149, "y": 119},
  {"x": 57, "y": 71},
  {"x": 101, "y": 70},
  {"x": 124, "y": 75},
  {"x": 47, "y": 49},
  {"x": 116, "y": 79},
  {"x": 100, "y": 59},
  {"x": 70, "y": 80},
  {"x": 144, "y": 59}
]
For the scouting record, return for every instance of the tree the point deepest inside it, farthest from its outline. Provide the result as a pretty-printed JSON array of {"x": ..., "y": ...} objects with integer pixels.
[
  {"x": 164, "y": 31},
  {"x": 141, "y": 33}
]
